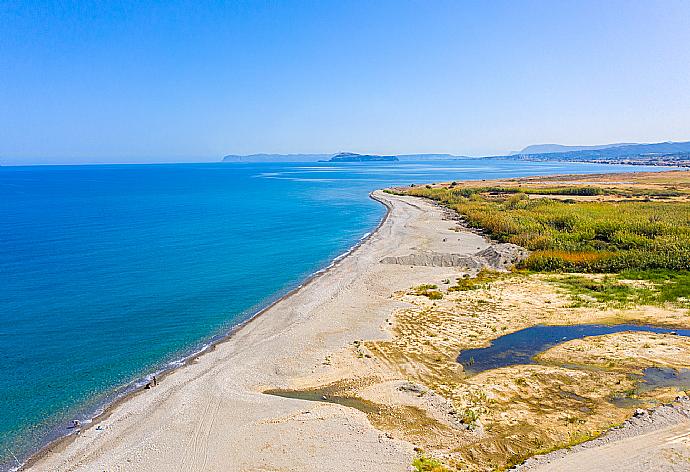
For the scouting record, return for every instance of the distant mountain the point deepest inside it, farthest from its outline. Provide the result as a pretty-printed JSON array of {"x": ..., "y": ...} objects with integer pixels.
[
  {"x": 553, "y": 148},
  {"x": 666, "y": 154},
  {"x": 623, "y": 150},
  {"x": 352, "y": 157},
  {"x": 275, "y": 158}
]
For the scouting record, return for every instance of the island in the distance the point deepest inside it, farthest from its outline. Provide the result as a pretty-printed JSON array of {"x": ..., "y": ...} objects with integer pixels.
[
  {"x": 340, "y": 157},
  {"x": 353, "y": 157}
]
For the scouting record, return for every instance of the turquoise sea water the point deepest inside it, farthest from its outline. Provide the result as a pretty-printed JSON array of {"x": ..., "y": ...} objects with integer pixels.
[{"x": 110, "y": 273}]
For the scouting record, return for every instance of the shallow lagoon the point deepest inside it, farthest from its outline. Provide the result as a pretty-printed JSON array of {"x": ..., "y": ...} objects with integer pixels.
[{"x": 521, "y": 346}]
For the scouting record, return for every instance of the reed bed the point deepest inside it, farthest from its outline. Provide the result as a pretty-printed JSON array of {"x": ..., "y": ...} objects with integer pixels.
[{"x": 573, "y": 235}]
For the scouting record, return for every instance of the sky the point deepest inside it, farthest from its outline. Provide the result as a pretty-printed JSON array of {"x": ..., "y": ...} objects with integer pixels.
[{"x": 185, "y": 81}]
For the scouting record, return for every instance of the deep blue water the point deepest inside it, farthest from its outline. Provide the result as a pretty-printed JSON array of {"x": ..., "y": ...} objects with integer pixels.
[
  {"x": 109, "y": 273},
  {"x": 521, "y": 346}
]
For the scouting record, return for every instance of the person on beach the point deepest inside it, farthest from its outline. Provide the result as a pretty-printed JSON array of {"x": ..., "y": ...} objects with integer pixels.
[{"x": 152, "y": 383}]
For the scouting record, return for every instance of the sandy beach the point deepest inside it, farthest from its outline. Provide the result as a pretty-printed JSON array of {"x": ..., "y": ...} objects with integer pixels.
[{"x": 212, "y": 414}]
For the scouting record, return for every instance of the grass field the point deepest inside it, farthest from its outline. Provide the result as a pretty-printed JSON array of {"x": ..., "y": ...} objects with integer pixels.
[
  {"x": 601, "y": 225},
  {"x": 628, "y": 288}
]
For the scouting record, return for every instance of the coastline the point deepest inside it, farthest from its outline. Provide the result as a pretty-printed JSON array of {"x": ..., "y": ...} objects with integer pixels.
[
  {"x": 214, "y": 412},
  {"x": 138, "y": 386},
  {"x": 248, "y": 401}
]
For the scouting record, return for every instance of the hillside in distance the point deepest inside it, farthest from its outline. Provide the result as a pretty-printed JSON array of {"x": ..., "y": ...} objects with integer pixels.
[
  {"x": 552, "y": 148},
  {"x": 663, "y": 154}
]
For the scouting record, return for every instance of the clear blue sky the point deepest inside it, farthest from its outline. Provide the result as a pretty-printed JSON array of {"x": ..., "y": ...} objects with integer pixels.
[{"x": 85, "y": 81}]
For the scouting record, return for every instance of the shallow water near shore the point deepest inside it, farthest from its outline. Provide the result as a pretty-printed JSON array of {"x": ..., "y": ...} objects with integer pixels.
[
  {"x": 521, "y": 346},
  {"x": 326, "y": 395},
  {"x": 112, "y": 273},
  {"x": 650, "y": 379},
  {"x": 656, "y": 377}
]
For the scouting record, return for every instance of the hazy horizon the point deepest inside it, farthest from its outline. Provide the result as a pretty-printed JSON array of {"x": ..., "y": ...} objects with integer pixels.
[
  {"x": 104, "y": 160},
  {"x": 91, "y": 82}
]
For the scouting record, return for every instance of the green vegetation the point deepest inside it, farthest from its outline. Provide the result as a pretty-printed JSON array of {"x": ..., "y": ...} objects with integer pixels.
[
  {"x": 427, "y": 290},
  {"x": 469, "y": 418},
  {"x": 620, "y": 290},
  {"x": 670, "y": 286},
  {"x": 608, "y": 290},
  {"x": 481, "y": 280},
  {"x": 570, "y": 190},
  {"x": 576, "y": 236},
  {"x": 424, "y": 287},
  {"x": 576, "y": 438},
  {"x": 423, "y": 463}
]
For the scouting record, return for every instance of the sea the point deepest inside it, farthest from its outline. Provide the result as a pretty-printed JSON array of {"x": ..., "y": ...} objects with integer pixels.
[{"x": 111, "y": 273}]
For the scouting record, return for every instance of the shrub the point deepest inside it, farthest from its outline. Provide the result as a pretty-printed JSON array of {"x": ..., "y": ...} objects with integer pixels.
[
  {"x": 427, "y": 290},
  {"x": 482, "y": 278},
  {"x": 423, "y": 463}
]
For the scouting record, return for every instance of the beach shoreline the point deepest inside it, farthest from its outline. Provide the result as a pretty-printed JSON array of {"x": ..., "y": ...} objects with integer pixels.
[
  {"x": 55, "y": 456},
  {"x": 138, "y": 386},
  {"x": 213, "y": 411}
]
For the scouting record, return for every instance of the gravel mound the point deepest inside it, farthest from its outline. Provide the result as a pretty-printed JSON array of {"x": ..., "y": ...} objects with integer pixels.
[{"x": 497, "y": 257}]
